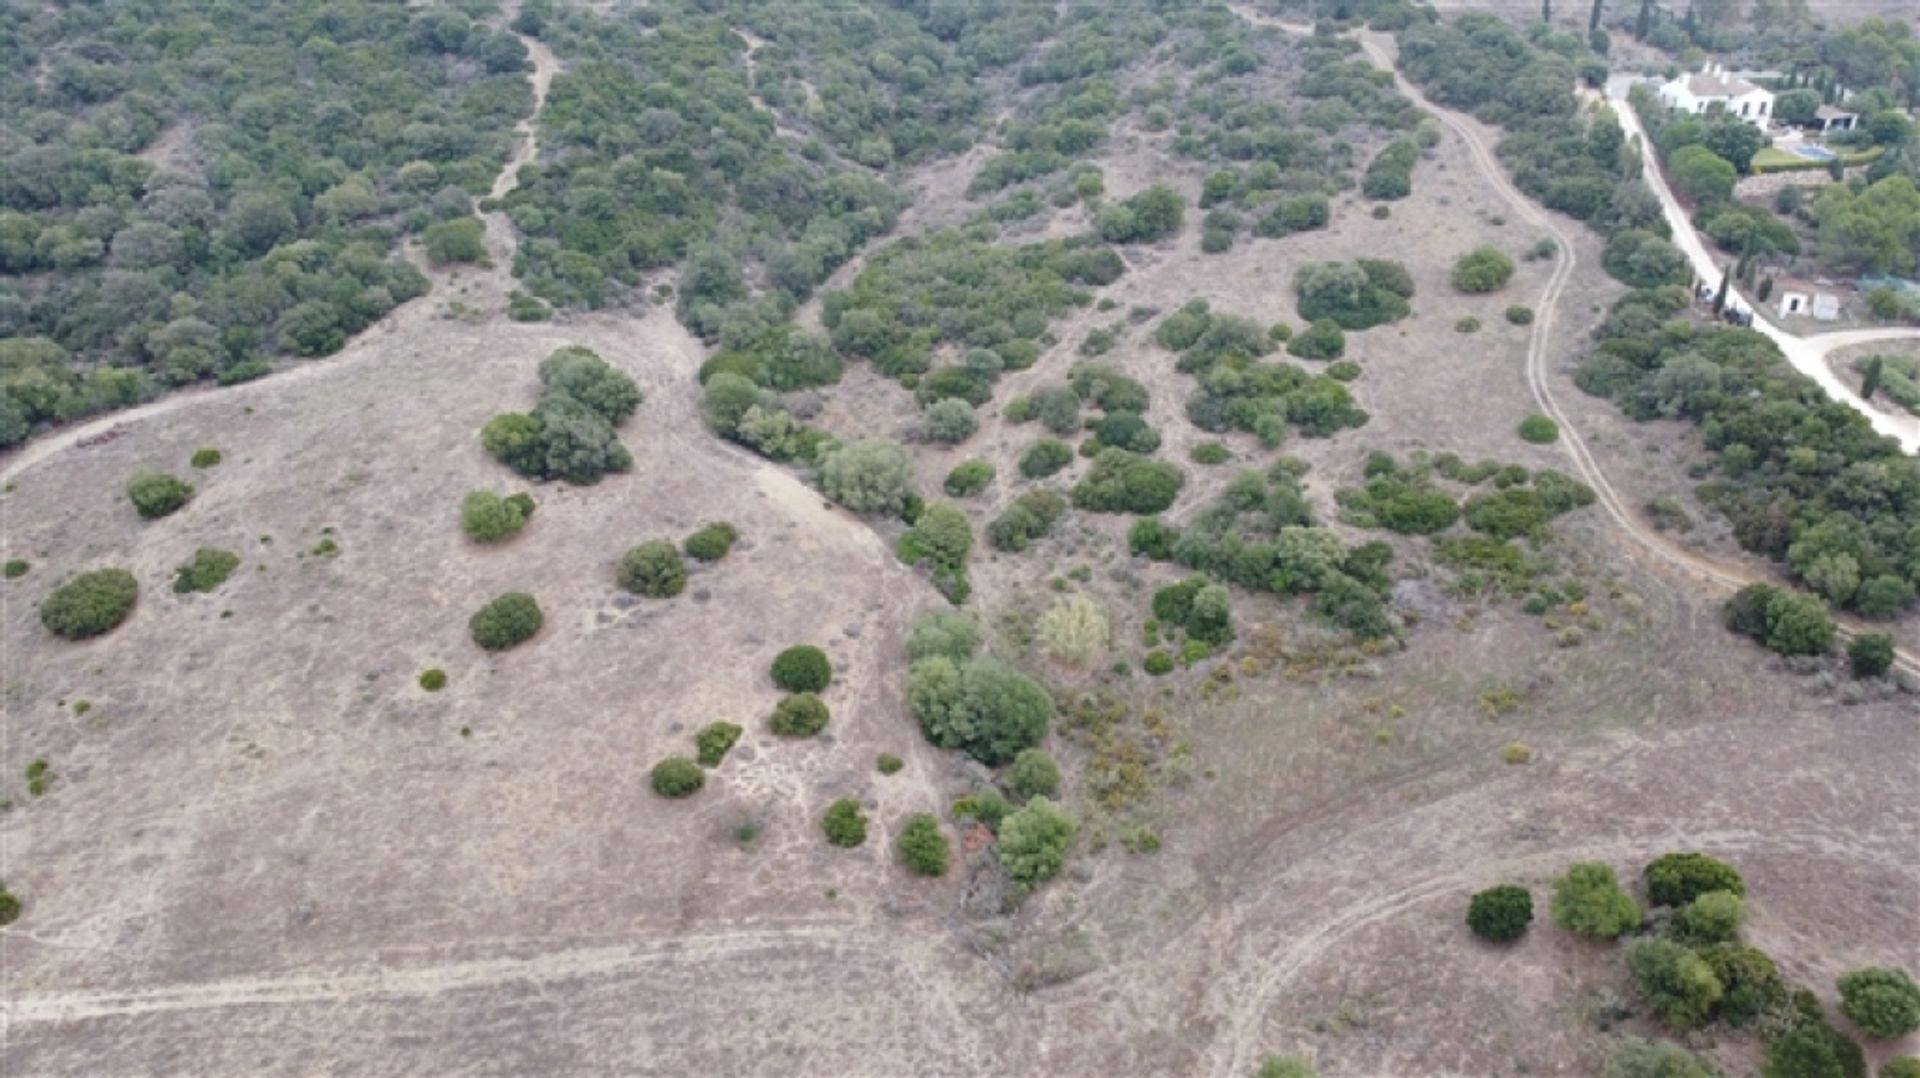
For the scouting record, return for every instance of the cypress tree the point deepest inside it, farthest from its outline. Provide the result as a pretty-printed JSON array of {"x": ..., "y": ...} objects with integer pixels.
[
  {"x": 1643, "y": 25},
  {"x": 1870, "y": 376},
  {"x": 1593, "y": 17},
  {"x": 1720, "y": 297}
]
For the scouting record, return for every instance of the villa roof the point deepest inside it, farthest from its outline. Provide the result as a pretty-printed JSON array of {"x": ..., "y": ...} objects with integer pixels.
[{"x": 1702, "y": 84}]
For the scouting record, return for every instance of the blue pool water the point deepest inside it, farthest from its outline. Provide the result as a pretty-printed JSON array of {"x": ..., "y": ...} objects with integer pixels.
[{"x": 1814, "y": 153}]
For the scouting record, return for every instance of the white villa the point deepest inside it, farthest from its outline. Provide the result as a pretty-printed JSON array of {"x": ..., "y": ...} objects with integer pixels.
[{"x": 1701, "y": 90}]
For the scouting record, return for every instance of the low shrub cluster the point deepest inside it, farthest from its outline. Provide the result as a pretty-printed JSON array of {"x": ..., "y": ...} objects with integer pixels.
[
  {"x": 156, "y": 494},
  {"x": 570, "y": 433},
  {"x": 508, "y": 620},
  {"x": 1239, "y": 392},
  {"x": 1031, "y": 516},
  {"x": 676, "y": 777},
  {"x": 654, "y": 569},
  {"x": 1197, "y": 606},
  {"x": 713, "y": 741},
  {"x": 1483, "y": 269},
  {"x": 1126, "y": 482},
  {"x": 486, "y": 517},
  {"x": 90, "y": 604},
  {"x": 978, "y": 705},
  {"x": 1589, "y": 900},
  {"x": 873, "y": 476},
  {"x": 941, "y": 538},
  {"x": 1034, "y": 840},
  {"x": 209, "y": 569},
  {"x": 1260, "y": 535},
  {"x": 802, "y": 668},
  {"x": 1786, "y": 622},
  {"x": 799, "y": 715},
  {"x": 1389, "y": 175},
  {"x": 712, "y": 541},
  {"x": 844, "y": 823},
  {"x": 1355, "y": 295},
  {"x": 969, "y": 477},
  {"x": 1033, "y": 774},
  {"x": 922, "y": 846},
  {"x": 1045, "y": 457}
]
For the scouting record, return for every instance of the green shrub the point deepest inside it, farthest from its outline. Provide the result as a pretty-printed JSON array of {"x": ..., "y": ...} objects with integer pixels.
[
  {"x": 922, "y": 848},
  {"x": 800, "y": 715},
  {"x": 1813, "y": 1049},
  {"x": 1323, "y": 339},
  {"x": 522, "y": 307},
  {"x": 506, "y": 621},
  {"x": 888, "y": 764},
  {"x": 1469, "y": 324},
  {"x": 209, "y": 569},
  {"x": 90, "y": 604},
  {"x": 987, "y": 806},
  {"x": 1355, "y": 295},
  {"x": 802, "y": 668},
  {"x": 1124, "y": 482},
  {"x": 712, "y": 541},
  {"x": 676, "y": 777},
  {"x": 433, "y": 679},
  {"x": 155, "y": 494},
  {"x": 582, "y": 375},
  {"x": 844, "y": 824},
  {"x": 713, "y": 741},
  {"x": 1286, "y": 1066},
  {"x": 874, "y": 476},
  {"x": 458, "y": 240},
  {"x": 1520, "y": 316},
  {"x": 1678, "y": 984},
  {"x": 1208, "y": 453},
  {"x": 205, "y": 458},
  {"x": 1871, "y": 654},
  {"x": 1539, "y": 430},
  {"x": 1343, "y": 370},
  {"x": 1500, "y": 913},
  {"x": 1031, "y": 516},
  {"x": 15, "y": 568},
  {"x": 1884, "y": 1003},
  {"x": 1754, "y": 987},
  {"x": 1483, "y": 269},
  {"x": 523, "y": 502},
  {"x": 945, "y": 633},
  {"x": 1034, "y": 841},
  {"x": 980, "y": 706},
  {"x": 1675, "y": 879},
  {"x": 1045, "y": 457},
  {"x": 951, "y": 421},
  {"x": 1714, "y": 917},
  {"x": 968, "y": 478},
  {"x": 1904, "y": 1067},
  {"x": 1157, "y": 663},
  {"x": 486, "y": 517},
  {"x": 9, "y": 907},
  {"x": 1786, "y": 622},
  {"x": 1033, "y": 774},
  {"x": 1637, "y": 1058},
  {"x": 1588, "y": 900},
  {"x": 655, "y": 569}
]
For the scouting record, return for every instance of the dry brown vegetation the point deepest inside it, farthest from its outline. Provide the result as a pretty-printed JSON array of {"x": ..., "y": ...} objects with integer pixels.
[{"x": 269, "y": 847}]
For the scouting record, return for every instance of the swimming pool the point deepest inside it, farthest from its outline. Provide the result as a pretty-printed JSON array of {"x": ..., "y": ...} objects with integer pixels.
[{"x": 1814, "y": 153}]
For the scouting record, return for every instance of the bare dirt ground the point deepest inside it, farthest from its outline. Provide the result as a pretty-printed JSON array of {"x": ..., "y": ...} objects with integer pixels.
[{"x": 266, "y": 850}]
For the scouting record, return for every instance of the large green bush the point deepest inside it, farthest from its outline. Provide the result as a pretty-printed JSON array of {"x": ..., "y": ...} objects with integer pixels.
[
  {"x": 1500, "y": 914},
  {"x": 1870, "y": 654},
  {"x": 1813, "y": 1049},
  {"x": 802, "y": 668},
  {"x": 1323, "y": 339},
  {"x": 581, "y": 374},
  {"x": 1678, "y": 984},
  {"x": 800, "y": 715},
  {"x": 1031, "y": 516},
  {"x": 209, "y": 569},
  {"x": 90, "y": 604},
  {"x": 1714, "y": 917},
  {"x": 459, "y": 240},
  {"x": 1356, "y": 295},
  {"x": 156, "y": 494},
  {"x": 1124, "y": 482},
  {"x": 1539, "y": 430},
  {"x": 486, "y": 517},
  {"x": 969, "y": 477},
  {"x": 1676, "y": 879},
  {"x": 1884, "y": 1003},
  {"x": 506, "y": 621},
  {"x": 1483, "y": 269},
  {"x": 676, "y": 777},
  {"x": 944, "y": 633},
  {"x": 874, "y": 476},
  {"x": 1589, "y": 900},
  {"x": 655, "y": 569},
  {"x": 844, "y": 823},
  {"x": 1045, "y": 457},
  {"x": 922, "y": 847},
  {"x": 1034, "y": 841},
  {"x": 980, "y": 706}
]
